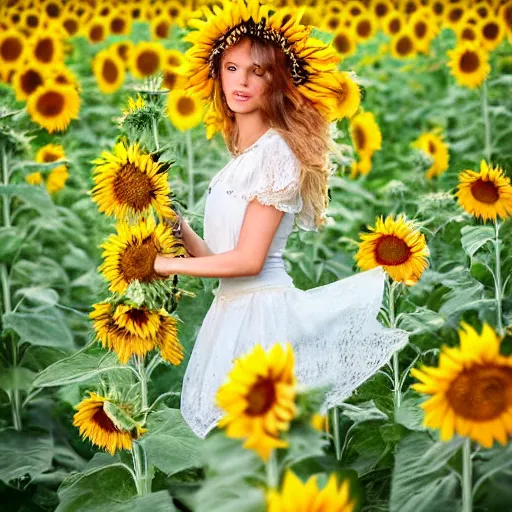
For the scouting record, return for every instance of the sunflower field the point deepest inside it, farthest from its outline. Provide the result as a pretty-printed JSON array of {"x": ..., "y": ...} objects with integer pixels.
[{"x": 103, "y": 151}]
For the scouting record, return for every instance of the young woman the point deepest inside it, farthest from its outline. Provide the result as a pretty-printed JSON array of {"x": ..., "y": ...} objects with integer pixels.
[{"x": 277, "y": 176}]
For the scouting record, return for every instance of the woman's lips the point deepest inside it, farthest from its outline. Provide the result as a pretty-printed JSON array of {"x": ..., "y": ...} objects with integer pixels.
[{"x": 240, "y": 97}]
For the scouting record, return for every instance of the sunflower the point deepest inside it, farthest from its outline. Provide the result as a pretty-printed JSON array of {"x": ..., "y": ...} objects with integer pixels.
[
  {"x": 96, "y": 421},
  {"x": 184, "y": 110},
  {"x": 31, "y": 19},
  {"x": 96, "y": 30},
  {"x": 174, "y": 59},
  {"x": 365, "y": 133},
  {"x": 173, "y": 79},
  {"x": 296, "y": 496},
  {"x": 53, "y": 9},
  {"x": 12, "y": 49},
  {"x": 332, "y": 23},
  {"x": 434, "y": 146},
  {"x": 423, "y": 29},
  {"x": 34, "y": 178},
  {"x": 109, "y": 71},
  {"x": 362, "y": 166},
  {"x": 50, "y": 153},
  {"x": 71, "y": 24},
  {"x": 57, "y": 179},
  {"x": 486, "y": 194},
  {"x": 505, "y": 15},
  {"x": 467, "y": 33},
  {"x": 393, "y": 23},
  {"x": 123, "y": 50},
  {"x": 398, "y": 246},
  {"x": 61, "y": 74},
  {"x": 258, "y": 397},
  {"x": 381, "y": 9},
  {"x": 213, "y": 121},
  {"x": 365, "y": 26},
  {"x": 320, "y": 422},
  {"x": 136, "y": 331},
  {"x": 146, "y": 59},
  {"x": 176, "y": 12},
  {"x": 469, "y": 64},
  {"x": 453, "y": 15},
  {"x": 45, "y": 48},
  {"x": 134, "y": 105},
  {"x": 28, "y": 79},
  {"x": 438, "y": 8},
  {"x": 402, "y": 44},
  {"x": 130, "y": 254},
  {"x": 491, "y": 31},
  {"x": 128, "y": 183},
  {"x": 161, "y": 27},
  {"x": 409, "y": 7},
  {"x": 354, "y": 8},
  {"x": 344, "y": 41},
  {"x": 119, "y": 23},
  {"x": 471, "y": 389},
  {"x": 53, "y": 106}
]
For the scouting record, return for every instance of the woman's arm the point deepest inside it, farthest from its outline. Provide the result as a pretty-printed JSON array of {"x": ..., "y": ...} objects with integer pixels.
[
  {"x": 194, "y": 244},
  {"x": 247, "y": 259}
]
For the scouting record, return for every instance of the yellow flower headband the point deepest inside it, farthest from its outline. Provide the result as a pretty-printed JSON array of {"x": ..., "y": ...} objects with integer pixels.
[{"x": 313, "y": 64}]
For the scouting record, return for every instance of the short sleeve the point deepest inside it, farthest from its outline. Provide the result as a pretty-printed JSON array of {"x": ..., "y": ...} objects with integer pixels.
[{"x": 274, "y": 179}]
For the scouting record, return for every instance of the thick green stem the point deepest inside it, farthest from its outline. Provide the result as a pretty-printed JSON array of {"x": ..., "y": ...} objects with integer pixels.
[
  {"x": 336, "y": 431},
  {"x": 143, "y": 380},
  {"x": 396, "y": 368},
  {"x": 140, "y": 467},
  {"x": 272, "y": 471},
  {"x": 497, "y": 279},
  {"x": 190, "y": 156},
  {"x": 155, "y": 133},
  {"x": 487, "y": 123},
  {"x": 6, "y": 291},
  {"x": 467, "y": 495}
]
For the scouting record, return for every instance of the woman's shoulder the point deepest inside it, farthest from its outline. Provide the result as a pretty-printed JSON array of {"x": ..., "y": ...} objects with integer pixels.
[{"x": 276, "y": 152}]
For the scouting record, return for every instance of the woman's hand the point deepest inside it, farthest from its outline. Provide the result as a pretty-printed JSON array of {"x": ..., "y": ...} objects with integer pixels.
[{"x": 163, "y": 265}]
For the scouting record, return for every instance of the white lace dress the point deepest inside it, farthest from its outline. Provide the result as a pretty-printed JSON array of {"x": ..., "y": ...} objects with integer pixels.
[{"x": 333, "y": 328}]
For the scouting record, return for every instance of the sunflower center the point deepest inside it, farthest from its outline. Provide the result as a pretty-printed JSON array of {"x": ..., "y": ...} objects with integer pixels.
[
  {"x": 32, "y": 21},
  {"x": 381, "y": 10},
  {"x": 261, "y": 397},
  {"x": 468, "y": 34},
  {"x": 438, "y": 8},
  {"x": 481, "y": 393},
  {"x": 404, "y": 45},
  {"x": 173, "y": 12},
  {"x": 117, "y": 26},
  {"x": 334, "y": 22},
  {"x": 44, "y": 50},
  {"x": 392, "y": 250},
  {"x": 431, "y": 147},
  {"x": 30, "y": 81},
  {"x": 469, "y": 62},
  {"x": 50, "y": 104},
  {"x": 71, "y": 26},
  {"x": 133, "y": 188},
  {"x": 360, "y": 138},
  {"x": 122, "y": 50},
  {"x": 420, "y": 29},
  {"x": 148, "y": 62},
  {"x": 53, "y": 10},
  {"x": 11, "y": 49},
  {"x": 485, "y": 192},
  {"x": 96, "y": 34},
  {"x": 364, "y": 28},
  {"x": 137, "y": 262},
  {"x": 341, "y": 43},
  {"x": 169, "y": 80},
  {"x": 103, "y": 421},
  {"x": 162, "y": 30},
  {"x": 455, "y": 14},
  {"x": 110, "y": 72},
  {"x": 410, "y": 7},
  {"x": 491, "y": 31},
  {"x": 394, "y": 25},
  {"x": 50, "y": 157},
  {"x": 138, "y": 316},
  {"x": 185, "y": 106}
]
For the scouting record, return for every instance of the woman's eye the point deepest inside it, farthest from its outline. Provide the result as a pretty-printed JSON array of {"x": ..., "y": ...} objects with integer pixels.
[{"x": 230, "y": 67}]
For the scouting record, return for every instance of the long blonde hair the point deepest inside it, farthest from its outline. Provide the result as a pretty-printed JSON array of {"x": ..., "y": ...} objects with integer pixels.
[{"x": 292, "y": 115}]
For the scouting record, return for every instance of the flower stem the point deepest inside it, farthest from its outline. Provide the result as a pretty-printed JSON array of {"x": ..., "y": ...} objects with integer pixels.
[
  {"x": 140, "y": 468},
  {"x": 497, "y": 279},
  {"x": 6, "y": 292},
  {"x": 272, "y": 471},
  {"x": 155, "y": 133},
  {"x": 336, "y": 431},
  {"x": 396, "y": 368},
  {"x": 487, "y": 123},
  {"x": 190, "y": 155},
  {"x": 467, "y": 496},
  {"x": 139, "y": 361}
]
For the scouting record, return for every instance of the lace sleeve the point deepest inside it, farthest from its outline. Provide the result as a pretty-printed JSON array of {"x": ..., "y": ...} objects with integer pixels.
[{"x": 275, "y": 178}]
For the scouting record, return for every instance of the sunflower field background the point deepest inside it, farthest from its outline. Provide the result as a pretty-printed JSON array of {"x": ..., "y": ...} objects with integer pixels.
[{"x": 101, "y": 146}]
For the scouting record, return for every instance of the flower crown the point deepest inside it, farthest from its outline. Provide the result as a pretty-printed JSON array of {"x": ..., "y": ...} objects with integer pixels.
[{"x": 313, "y": 64}]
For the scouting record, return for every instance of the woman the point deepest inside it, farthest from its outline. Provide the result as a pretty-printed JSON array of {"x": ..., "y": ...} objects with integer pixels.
[{"x": 279, "y": 142}]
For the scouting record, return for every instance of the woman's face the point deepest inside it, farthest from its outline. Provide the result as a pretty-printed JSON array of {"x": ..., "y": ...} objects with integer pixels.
[{"x": 242, "y": 79}]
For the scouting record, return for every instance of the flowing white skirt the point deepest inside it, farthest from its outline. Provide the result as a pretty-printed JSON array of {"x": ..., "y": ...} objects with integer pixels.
[{"x": 333, "y": 330}]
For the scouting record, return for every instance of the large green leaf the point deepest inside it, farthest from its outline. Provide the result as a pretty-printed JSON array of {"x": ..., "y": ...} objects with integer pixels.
[
  {"x": 421, "y": 480},
  {"x": 109, "y": 489},
  {"x": 170, "y": 444},
  {"x": 474, "y": 237},
  {"x": 78, "y": 367},
  {"x": 39, "y": 295},
  {"x": 45, "y": 328},
  {"x": 17, "y": 378},
  {"x": 24, "y": 454},
  {"x": 12, "y": 240},
  {"x": 421, "y": 320},
  {"x": 37, "y": 197}
]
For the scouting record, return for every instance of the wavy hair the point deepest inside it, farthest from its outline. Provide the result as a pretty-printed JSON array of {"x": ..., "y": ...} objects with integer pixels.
[{"x": 294, "y": 117}]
